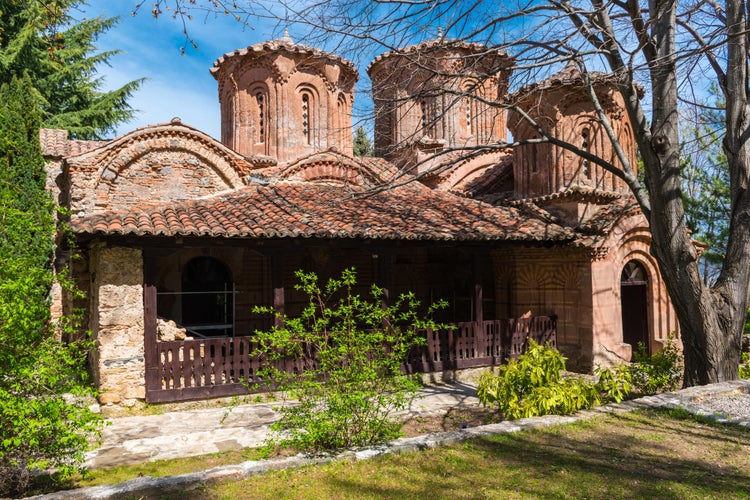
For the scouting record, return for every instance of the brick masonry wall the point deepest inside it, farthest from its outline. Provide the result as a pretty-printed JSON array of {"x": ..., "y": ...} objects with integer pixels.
[{"x": 155, "y": 164}]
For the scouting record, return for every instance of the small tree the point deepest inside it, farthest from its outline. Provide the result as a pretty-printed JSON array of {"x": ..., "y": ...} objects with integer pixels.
[
  {"x": 44, "y": 417},
  {"x": 349, "y": 351},
  {"x": 362, "y": 144}
]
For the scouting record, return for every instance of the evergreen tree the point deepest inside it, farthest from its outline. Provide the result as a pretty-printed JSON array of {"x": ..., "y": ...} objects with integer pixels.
[
  {"x": 705, "y": 175},
  {"x": 44, "y": 420},
  {"x": 41, "y": 38},
  {"x": 362, "y": 144}
]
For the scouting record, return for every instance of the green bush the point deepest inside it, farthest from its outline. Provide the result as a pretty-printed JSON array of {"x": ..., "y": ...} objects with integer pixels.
[
  {"x": 532, "y": 385},
  {"x": 661, "y": 371},
  {"x": 349, "y": 393},
  {"x": 744, "y": 371},
  {"x": 614, "y": 384},
  {"x": 44, "y": 415}
]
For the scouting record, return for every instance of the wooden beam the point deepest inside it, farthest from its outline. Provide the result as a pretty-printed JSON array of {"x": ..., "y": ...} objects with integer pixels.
[{"x": 384, "y": 268}]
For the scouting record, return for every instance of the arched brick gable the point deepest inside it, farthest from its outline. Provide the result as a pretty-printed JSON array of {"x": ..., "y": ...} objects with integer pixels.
[
  {"x": 468, "y": 170},
  {"x": 331, "y": 167},
  {"x": 153, "y": 164}
]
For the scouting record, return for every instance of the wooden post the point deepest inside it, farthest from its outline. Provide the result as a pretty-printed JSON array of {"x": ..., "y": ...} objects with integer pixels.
[
  {"x": 277, "y": 282},
  {"x": 383, "y": 276},
  {"x": 480, "y": 332},
  {"x": 477, "y": 275},
  {"x": 150, "y": 352}
]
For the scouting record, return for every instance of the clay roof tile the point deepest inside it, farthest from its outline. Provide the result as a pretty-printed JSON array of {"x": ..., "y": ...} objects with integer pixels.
[{"x": 292, "y": 209}]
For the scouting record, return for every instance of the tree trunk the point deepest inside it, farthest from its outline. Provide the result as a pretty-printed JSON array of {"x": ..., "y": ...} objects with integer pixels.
[{"x": 709, "y": 318}]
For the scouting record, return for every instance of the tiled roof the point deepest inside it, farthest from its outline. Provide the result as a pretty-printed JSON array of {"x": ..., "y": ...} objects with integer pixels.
[
  {"x": 494, "y": 183},
  {"x": 569, "y": 76},
  {"x": 602, "y": 222},
  {"x": 368, "y": 171},
  {"x": 572, "y": 193},
  {"x": 285, "y": 44},
  {"x": 55, "y": 144},
  {"x": 322, "y": 210},
  {"x": 437, "y": 45}
]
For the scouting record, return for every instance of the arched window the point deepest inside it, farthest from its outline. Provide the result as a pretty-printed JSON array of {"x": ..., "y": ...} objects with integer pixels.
[
  {"x": 471, "y": 107},
  {"x": 634, "y": 274},
  {"x": 307, "y": 107},
  {"x": 258, "y": 117},
  {"x": 207, "y": 298},
  {"x": 261, "y": 107},
  {"x": 428, "y": 112},
  {"x": 341, "y": 112},
  {"x": 586, "y": 146}
]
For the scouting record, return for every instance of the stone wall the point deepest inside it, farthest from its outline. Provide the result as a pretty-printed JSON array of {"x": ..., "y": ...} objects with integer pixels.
[{"x": 117, "y": 324}]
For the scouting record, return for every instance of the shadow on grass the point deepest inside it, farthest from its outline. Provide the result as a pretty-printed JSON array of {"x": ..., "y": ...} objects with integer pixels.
[{"x": 644, "y": 454}]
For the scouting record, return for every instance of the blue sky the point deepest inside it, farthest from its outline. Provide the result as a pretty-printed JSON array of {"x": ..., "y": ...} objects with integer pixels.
[
  {"x": 177, "y": 85},
  {"x": 181, "y": 86}
]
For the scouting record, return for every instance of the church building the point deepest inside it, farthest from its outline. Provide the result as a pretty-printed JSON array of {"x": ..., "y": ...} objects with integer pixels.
[{"x": 178, "y": 235}]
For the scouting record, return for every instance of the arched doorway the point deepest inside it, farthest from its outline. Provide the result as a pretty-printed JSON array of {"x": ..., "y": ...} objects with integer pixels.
[
  {"x": 207, "y": 298},
  {"x": 634, "y": 297}
]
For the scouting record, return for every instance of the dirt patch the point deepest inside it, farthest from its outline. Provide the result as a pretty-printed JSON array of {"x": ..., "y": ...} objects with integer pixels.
[{"x": 450, "y": 420}]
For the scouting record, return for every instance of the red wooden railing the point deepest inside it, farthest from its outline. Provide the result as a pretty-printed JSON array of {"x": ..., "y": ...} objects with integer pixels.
[
  {"x": 469, "y": 345},
  {"x": 193, "y": 369}
]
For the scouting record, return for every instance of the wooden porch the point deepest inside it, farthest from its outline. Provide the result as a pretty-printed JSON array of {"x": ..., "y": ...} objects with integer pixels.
[
  {"x": 222, "y": 365},
  {"x": 205, "y": 368}
]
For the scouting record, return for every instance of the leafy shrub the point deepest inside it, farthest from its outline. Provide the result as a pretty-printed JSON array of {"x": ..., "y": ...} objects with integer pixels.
[
  {"x": 661, "y": 371},
  {"x": 532, "y": 385},
  {"x": 614, "y": 384},
  {"x": 350, "y": 391},
  {"x": 44, "y": 416},
  {"x": 745, "y": 366}
]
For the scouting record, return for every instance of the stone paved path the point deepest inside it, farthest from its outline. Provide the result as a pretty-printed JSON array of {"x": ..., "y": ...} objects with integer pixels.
[{"x": 131, "y": 440}]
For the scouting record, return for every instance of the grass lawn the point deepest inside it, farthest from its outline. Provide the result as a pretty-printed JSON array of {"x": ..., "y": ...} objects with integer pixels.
[{"x": 645, "y": 454}]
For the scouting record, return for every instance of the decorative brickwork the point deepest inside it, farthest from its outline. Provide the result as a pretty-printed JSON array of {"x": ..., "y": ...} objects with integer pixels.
[
  {"x": 285, "y": 100},
  {"x": 561, "y": 106},
  {"x": 153, "y": 164},
  {"x": 174, "y": 224},
  {"x": 434, "y": 96}
]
